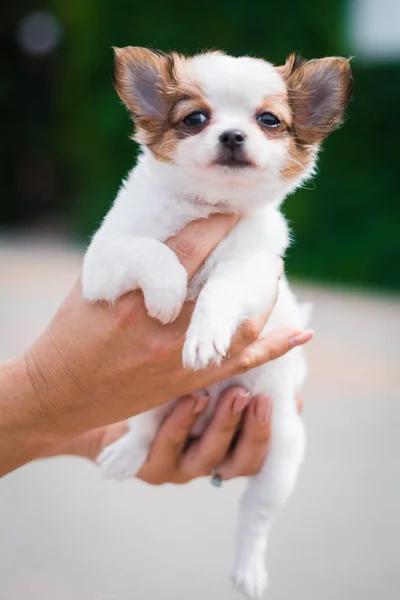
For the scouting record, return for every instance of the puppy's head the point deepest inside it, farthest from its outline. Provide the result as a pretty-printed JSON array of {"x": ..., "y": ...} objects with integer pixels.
[{"x": 240, "y": 121}]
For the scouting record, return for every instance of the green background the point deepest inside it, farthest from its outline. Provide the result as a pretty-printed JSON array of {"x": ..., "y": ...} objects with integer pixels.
[{"x": 63, "y": 118}]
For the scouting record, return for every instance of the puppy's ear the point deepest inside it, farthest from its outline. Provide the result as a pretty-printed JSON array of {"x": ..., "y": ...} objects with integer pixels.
[
  {"x": 141, "y": 78},
  {"x": 319, "y": 92}
]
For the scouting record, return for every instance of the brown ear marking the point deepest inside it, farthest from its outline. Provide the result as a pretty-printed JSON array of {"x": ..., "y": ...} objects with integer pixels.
[
  {"x": 146, "y": 81},
  {"x": 141, "y": 78},
  {"x": 319, "y": 92}
]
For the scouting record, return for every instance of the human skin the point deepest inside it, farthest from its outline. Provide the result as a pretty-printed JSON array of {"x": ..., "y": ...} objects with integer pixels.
[
  {"x": 98, "y": 364},
  {"x": 235, "y": 443}
]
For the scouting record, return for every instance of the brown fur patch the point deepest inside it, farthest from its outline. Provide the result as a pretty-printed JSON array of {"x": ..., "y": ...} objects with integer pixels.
[
  {"x": 300, "y": 159},
  {"x": 300, "y": 156},
  {"x": 319, "y": 92},
  {"x": 175, "y": 95}
]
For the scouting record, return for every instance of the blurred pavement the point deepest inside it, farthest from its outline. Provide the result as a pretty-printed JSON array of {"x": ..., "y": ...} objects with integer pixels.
[{"x": 67, "y": 534}]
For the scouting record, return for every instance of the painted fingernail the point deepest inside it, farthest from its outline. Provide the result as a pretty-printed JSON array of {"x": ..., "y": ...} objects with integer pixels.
[
  {"x": 263, "y": 408},
  {"x": 201, "y": 403},
  {"x": 240, "y": 402},
  {"x": 301, "y": 338}
]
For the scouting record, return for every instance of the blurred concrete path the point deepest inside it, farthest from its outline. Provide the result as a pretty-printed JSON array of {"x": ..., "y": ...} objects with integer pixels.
[{"x": 66, "y": 534}]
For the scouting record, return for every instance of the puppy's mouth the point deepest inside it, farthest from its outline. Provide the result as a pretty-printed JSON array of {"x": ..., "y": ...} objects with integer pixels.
[{"x": 233, "y": 159}]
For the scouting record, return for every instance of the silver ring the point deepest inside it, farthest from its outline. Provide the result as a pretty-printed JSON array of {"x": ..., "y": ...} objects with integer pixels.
[{"x": 216, "y": 479}]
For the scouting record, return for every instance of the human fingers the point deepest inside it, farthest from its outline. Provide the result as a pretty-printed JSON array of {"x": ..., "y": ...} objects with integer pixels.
[
  {"x": 269, "y": 347},
  {"x": 161, "y": 465},
  {"x": 212, "y": 446},
  {"x": 198, "y": 239},
  {"x": 251, "y": 448}
]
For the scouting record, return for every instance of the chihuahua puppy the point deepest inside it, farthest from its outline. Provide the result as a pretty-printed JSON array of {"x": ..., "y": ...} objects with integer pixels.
[{"x": 218, "y": 134}]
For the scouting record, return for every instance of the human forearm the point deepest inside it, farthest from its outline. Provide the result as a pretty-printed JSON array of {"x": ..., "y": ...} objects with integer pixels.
[{"x": 22, "y": 436}]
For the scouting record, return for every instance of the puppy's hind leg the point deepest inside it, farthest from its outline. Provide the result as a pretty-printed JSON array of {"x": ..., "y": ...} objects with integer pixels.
[
  {"x": 266, "y": 492},
  {"x": 123, "y": 458}
]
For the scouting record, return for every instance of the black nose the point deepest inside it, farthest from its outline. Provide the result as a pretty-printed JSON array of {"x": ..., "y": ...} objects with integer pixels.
[{"x": 232, "y": 138}]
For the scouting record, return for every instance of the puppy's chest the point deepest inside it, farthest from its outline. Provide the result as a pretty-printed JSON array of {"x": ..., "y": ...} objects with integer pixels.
[
  {"x": 167, "y": 221},
  {"x": 163, "y": 219}
]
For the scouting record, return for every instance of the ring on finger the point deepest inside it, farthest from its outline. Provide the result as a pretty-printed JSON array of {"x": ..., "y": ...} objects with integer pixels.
[{"x": 216, "y": 479}]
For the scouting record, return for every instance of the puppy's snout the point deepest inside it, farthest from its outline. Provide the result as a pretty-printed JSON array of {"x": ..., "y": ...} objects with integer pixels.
[{"x": 232, "y": 138}]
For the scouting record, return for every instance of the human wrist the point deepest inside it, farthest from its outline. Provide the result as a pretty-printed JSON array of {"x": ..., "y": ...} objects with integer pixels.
[
  {"x": 22, "y": 436},
  {"x": 56, "y": 391},
  {"x": 37, "y": 396}
]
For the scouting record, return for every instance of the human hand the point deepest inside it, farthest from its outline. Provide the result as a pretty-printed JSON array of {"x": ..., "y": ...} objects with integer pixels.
[
  {"x": 235, "y": 441},
  {"x": 98, "y": 364}
]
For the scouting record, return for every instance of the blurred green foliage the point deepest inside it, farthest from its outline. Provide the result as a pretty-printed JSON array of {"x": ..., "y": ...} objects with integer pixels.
[{"x": 346, "y": 221}]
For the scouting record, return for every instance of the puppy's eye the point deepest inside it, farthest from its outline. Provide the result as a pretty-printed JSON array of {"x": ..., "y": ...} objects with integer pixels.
[
  {"x": 196, "y": 119},
  {"x": 269, "y": 120}
]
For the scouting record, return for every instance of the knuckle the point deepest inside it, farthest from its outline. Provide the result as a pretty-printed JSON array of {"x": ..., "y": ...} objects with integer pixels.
[
  {"x": 164, "y": 346},
  {"x": 250, "y": 331},
  {"x": 180, "y": 437},
  {"x": 184, "y": 246},
  {"x": 127, "y": 309},
  {"x": 246, "y": 360},
  {"x": 226, "y": 429},
  {"x": 260, "y": 435},
  {"x": 276, "y": 350}
]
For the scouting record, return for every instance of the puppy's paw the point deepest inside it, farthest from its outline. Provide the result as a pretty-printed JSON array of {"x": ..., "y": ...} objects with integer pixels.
[
  {"x": 207, "y": 341},
  {"x": 112, "y": 269},
  {"x": 165, "y": 292},
  {"x": 251, "y": 579},
  {"x": 101, "y": 281},
  {"x": 123, "y": 458},
  {"x": 109, "y": 271}
]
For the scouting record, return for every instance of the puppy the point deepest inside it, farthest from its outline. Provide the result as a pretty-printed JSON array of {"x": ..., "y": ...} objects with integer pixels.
[{"x": 219, "y": 135}]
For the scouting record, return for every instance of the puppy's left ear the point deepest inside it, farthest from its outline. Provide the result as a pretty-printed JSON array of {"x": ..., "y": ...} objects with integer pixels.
[
  {"x": 319, "y": 93},
  {"x": 141, "y": 78}
]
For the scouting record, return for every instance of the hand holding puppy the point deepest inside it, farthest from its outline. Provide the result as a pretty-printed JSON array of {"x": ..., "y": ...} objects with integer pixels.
[
  {"x": 98, "y": 364},
  {"x": 235, "y": 442}
]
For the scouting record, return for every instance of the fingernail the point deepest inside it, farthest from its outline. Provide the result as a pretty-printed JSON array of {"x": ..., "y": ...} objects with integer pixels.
[
  {"x": 240, "y": 402},
  {"x": 301, "y": 338},
  {"x": 201, "y": 403},
  {"x": 263, "y": 408}
]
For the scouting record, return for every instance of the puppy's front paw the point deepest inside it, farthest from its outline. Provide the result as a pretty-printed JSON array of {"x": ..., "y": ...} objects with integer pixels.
[
  {"x": 207, "y": 341},
  {"x": 123, "y": 458},
  {"x": 252, "y": 578},
  {"x": 109, "y": 271},
  {"x": 165, "y": 292},
  {"x": 113, "y": 269}
]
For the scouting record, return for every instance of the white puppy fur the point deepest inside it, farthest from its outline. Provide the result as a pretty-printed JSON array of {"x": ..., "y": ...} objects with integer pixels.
[{"x": 181, "y": 176}]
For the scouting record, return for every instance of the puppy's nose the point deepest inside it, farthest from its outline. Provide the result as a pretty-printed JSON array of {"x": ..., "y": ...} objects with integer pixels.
[{"x": 232, "y": 138}]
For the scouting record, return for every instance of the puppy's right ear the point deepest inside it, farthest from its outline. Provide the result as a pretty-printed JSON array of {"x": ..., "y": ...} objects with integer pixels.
[
  {"x": 141, "y": 78},
  {"x": 319, "y": 91}
]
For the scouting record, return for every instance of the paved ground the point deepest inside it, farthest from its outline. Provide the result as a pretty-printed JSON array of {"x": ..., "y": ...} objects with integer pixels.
[{"x": 65, "y": 534}]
